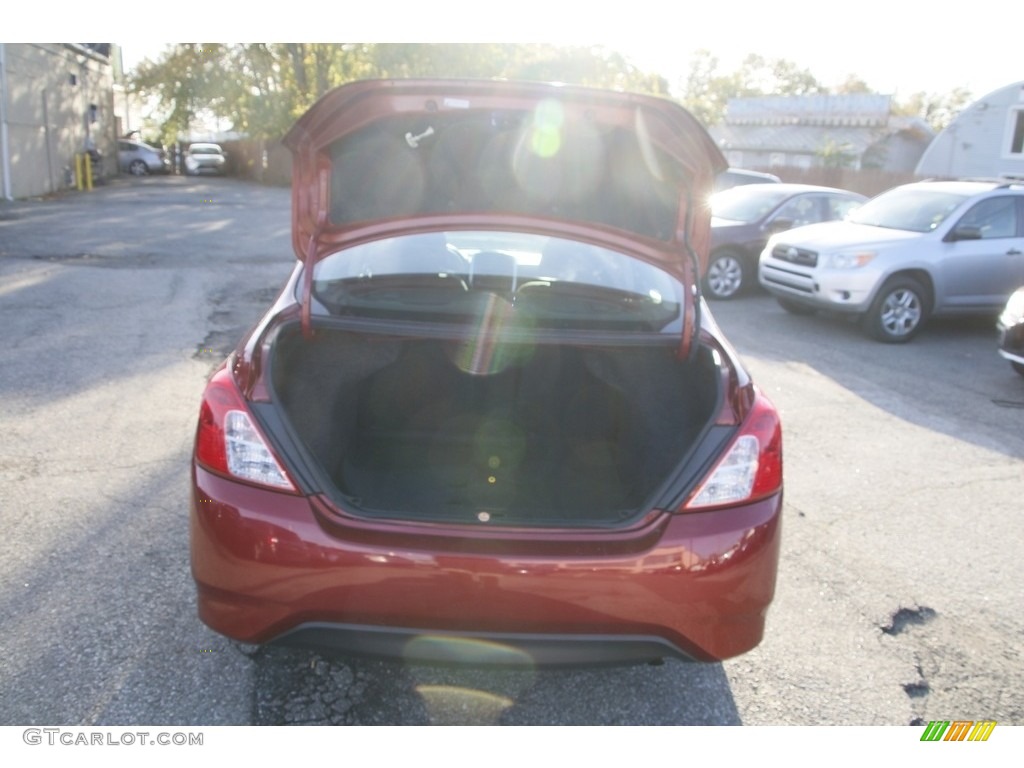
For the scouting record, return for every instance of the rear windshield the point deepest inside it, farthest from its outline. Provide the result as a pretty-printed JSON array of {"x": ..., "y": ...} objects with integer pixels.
[
  {"x": 204, "y": 150},
  {"x": 535, "y": 280},
  {"x": 912, "y": 209}
]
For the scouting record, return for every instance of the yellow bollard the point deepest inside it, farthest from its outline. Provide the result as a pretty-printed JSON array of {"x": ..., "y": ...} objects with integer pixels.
[{"x": 78, "y": 172}]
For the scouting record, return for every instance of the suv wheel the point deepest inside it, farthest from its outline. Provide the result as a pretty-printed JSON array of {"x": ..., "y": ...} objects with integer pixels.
[
  {"x": 724, "y": 279},
  {"x": 898, "y": 312}
]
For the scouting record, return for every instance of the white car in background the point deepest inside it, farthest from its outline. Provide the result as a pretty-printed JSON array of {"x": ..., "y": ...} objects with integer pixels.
[
  {"x": 922, "y": 249},
  {"x": 203, "y": 158}
]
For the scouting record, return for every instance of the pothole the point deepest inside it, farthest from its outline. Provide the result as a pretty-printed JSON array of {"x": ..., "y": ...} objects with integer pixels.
[
  {"x": 920, "y": 687},
  {"x": 906, "y": 617},
  {"x": 216, "y": 346},
  {"x": 916, "y": 690}
]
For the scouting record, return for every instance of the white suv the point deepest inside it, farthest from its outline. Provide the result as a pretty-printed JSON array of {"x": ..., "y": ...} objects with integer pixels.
[{"x": 929, "y": 248}]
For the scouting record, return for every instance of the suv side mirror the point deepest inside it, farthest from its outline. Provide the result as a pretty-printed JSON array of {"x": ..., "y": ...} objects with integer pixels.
[{"x": 964, "y": 232}]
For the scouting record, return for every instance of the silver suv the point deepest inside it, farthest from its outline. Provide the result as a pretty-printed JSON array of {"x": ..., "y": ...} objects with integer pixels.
[{"x": 923, "y": 249}]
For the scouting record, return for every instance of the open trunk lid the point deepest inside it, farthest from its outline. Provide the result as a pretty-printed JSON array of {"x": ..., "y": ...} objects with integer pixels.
[{"x": 373, "y": 159}]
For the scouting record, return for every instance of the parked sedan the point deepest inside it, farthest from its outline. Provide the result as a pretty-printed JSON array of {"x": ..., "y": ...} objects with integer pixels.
[
  {"x": 1011, "y": 331},
  {"x": 735, "y": 177},
  {"x": 140, "y": 159},
  {"x": 743, "y": 218},
  {"x": 486, "y": 421},
  {"x": 923, "y": 249},
  {"x": 206, "y": 158}
]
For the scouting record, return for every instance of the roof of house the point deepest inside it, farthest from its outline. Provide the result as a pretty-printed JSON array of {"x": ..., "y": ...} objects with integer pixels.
[
  {"x": 806, "y": 124},
  {"x": 858, "y": 109}
]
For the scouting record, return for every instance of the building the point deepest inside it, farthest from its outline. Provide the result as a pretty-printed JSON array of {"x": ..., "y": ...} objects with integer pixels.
[
  {"x": 56, "y": 100},
  {"x": 986, "y": 139},
  {"x": 836, "y": 131}
]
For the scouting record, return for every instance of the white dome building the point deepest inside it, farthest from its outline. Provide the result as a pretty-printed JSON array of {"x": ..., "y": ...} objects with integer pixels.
[{"x": 986, "y": 140}]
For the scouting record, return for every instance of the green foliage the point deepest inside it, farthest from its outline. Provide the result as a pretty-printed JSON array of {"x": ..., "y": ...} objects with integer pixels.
[
  {"x": 260, "y": 89},
  {"x": 706, "y": 90},
  {"x": 836, "y": 155},
  {"x": 936, "y": 109},
  {"x": 852, "y": 84},
  {"x": 182, "y": 81}
]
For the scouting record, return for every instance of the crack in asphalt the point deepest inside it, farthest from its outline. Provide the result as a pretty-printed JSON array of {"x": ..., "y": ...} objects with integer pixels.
[
  {"x": 1008, "y": 403},
  {"x": 229, "y": 318},
  {"x": 303, "y": 688}
]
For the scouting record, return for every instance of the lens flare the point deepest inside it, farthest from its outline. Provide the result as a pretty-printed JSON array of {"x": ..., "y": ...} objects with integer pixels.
[
  {"x": 546, "y": 134},
  {"x": 466, "y": 650},
  {"x": 451, "y": 705},
  {"x": 482, "y": 353}
]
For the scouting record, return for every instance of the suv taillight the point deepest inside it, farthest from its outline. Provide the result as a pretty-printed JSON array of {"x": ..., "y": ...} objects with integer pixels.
[
  {"x": 228, "y": 440},
  {"x": 751, "y": 467}
]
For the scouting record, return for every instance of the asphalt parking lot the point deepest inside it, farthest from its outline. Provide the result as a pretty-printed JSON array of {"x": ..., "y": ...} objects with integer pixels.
[{"x": 899, "y": 592}]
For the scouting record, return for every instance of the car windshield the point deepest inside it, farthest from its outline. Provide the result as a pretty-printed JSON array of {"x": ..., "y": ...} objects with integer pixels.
[
  {"x": 532, "y": 280},
  {"x": 912, "y": 209},
  {"x": 204, "y": 150},
  {"x": 748, "y": 203}
]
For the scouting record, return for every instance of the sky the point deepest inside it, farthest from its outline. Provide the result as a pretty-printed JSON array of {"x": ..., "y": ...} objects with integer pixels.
[{"x": 897, "y": 47}]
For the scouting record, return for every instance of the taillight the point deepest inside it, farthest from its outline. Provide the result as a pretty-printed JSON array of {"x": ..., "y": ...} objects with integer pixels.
[
  {"x": 751, "y": 467},
  {"x": 229, "y": 442}
]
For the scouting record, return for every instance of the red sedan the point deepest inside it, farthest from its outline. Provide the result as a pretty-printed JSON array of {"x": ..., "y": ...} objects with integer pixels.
[{"x": 489, "y": 419}]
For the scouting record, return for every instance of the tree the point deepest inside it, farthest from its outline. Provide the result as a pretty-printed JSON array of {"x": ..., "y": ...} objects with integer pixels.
[
  {"x": 852, "y": 84},
  {"x": 593, "y": 66},
  {"x": 777, "y": 77},
  {"x": 706, "y": 91},
  {"x": 262, "y": 88},
  {"x": 936, "y": 109},
  {"x": 836, "y": 155},
  {"x": 182, "y": 82}
]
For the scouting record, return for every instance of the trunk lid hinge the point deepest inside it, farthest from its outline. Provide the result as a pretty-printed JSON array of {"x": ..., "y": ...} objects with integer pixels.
[
  {"x": 691, "y": 279},
  {"x": 691, "y": 318},
  {"x": 311, "y": 254}
]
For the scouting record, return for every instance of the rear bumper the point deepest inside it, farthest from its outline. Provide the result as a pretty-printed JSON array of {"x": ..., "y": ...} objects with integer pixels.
[
  {"x": 694, "y": 586},
  {"x": 509, "y": 649}
]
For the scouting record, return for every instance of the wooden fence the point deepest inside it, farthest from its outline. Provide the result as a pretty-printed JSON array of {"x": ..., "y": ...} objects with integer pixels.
[{"x": 867, "y": 181}]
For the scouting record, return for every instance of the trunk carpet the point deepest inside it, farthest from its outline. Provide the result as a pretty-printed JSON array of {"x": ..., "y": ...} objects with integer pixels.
[{"x": 547, "y": 439}]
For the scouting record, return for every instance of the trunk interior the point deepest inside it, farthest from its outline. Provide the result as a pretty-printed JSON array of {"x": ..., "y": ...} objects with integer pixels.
[{"x": 550, "y": 435}]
